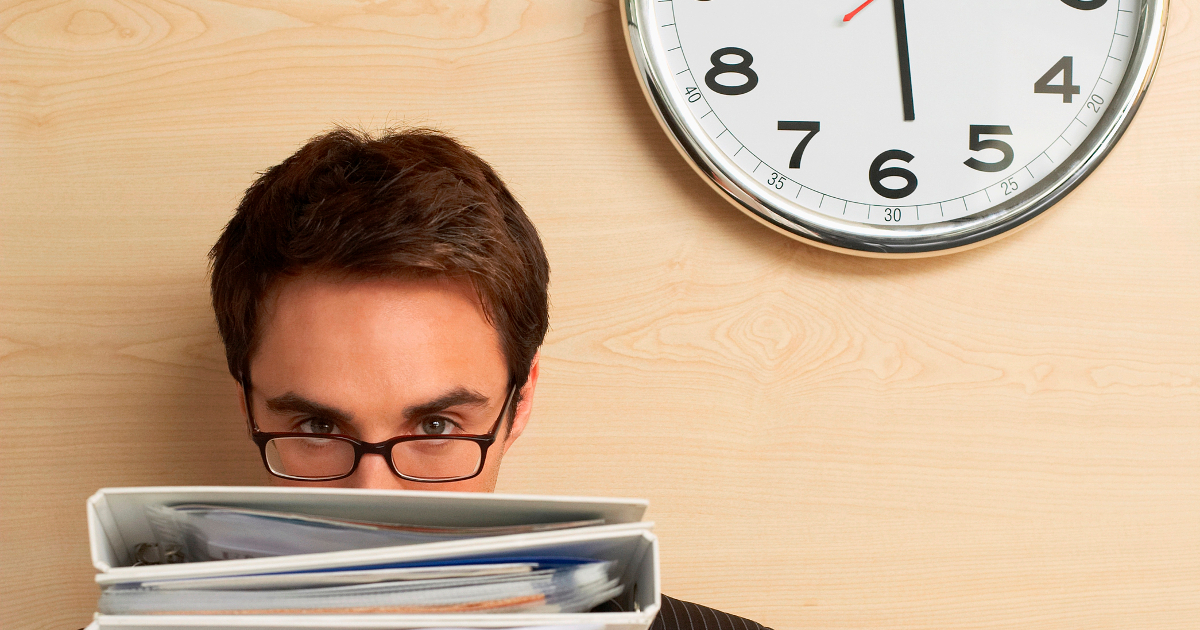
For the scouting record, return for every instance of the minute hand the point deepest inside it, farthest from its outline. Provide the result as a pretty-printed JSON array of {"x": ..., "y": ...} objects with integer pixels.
[{"x": 902, "y": 50}]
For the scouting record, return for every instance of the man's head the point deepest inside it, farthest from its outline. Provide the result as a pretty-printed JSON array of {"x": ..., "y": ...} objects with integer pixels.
[{"x": 383, "y": 287}]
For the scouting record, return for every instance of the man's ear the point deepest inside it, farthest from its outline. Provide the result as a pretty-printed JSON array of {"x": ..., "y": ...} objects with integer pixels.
[{"x": 525, "y": 407}]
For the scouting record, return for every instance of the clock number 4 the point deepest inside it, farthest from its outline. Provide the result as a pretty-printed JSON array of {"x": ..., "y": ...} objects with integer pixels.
[
  {"x": 720, "y": 68},
  {"x": 811, "y": 126},
  {"x": 976, "y": 144},
  {"x": 1067, "y": 88}
]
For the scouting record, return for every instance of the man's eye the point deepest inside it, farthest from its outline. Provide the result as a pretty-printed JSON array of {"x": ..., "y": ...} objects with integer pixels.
[
  {"x": 435, "y": 425},
  {"x": 316, "y": 425}
]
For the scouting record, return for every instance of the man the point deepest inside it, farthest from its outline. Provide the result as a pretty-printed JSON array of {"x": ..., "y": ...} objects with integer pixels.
[{"x": 388, "y": 295}]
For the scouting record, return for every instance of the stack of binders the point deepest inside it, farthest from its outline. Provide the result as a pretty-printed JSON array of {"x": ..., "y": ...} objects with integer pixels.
[{"x": 225, "y": 557}]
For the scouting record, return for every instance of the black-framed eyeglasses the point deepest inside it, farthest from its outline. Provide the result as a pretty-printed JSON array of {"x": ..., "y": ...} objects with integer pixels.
[{"x": 329, "y": 457}]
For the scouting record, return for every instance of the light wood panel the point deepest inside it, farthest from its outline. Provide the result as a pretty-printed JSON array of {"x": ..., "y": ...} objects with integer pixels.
[{"x": 1007, "y": 437}]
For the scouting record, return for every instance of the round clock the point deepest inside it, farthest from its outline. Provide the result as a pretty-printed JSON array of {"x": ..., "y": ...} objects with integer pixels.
[{"x": 891, "y": 128}]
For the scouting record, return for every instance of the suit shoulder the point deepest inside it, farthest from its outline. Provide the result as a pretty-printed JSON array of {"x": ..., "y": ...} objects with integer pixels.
[{"x": 677, "y": 614}]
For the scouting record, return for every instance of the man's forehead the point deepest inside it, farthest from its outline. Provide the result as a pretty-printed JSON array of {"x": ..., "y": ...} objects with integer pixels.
[
  {"x": 339, "y": 287},
  {"x": 342, "y": 323}
]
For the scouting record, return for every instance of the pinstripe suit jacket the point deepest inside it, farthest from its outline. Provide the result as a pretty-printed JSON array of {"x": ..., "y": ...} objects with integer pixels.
[{"x": 677, "y": 614}]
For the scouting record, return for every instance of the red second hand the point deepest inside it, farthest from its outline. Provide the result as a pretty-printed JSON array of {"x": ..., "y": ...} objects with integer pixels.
[{"x": 855, "y": 12}]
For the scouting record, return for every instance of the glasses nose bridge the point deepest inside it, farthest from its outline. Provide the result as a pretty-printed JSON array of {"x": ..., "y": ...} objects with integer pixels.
[{"x": 382, "y": 449}]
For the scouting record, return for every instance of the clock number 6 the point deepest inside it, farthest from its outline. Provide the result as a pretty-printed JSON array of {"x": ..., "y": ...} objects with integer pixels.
[
  {"x": 811, "y": 126},
  {"x": 877, "y": 174},
  {"x": 979, "y": 145},
  {"x": 742, "y": 67}
]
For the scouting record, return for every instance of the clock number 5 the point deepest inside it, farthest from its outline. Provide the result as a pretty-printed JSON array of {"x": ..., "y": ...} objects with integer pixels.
[
  {"x": 877, "y": 174},
  {"x": 742, "y": 67},
  {"x": 979, "y": 145},
  {"x": 811, "y": 126}
]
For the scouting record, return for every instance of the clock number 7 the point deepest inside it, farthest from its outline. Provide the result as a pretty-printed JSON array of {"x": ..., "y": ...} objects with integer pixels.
[{"x": 811, "y": 126}]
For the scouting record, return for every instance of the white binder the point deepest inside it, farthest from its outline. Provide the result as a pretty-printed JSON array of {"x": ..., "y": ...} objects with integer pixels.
[{"x": 117, "y": 523}]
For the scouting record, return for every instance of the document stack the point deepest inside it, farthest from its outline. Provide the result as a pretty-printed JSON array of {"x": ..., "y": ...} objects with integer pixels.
[{"x": 205, "y": 558}]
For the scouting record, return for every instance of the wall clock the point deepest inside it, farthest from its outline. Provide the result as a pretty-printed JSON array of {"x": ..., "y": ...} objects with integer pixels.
[{"x": 887, "y": 128}]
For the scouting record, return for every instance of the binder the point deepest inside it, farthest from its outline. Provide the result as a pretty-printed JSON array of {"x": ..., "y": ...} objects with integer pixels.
[{"x": 117, "y": 524}]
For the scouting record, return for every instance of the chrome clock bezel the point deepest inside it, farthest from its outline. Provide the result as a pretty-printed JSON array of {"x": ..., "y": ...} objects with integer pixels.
[{"x": 670, "y": 106}]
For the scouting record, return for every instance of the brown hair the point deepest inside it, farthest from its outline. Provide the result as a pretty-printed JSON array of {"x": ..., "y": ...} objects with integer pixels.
[{"x": 405, "y": 203}]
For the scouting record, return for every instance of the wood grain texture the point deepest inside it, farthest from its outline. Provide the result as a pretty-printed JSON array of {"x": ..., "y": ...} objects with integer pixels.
[{"x": 1007, "y": 437}]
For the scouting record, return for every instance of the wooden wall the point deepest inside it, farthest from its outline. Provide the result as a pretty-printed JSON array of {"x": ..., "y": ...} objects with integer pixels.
[{"x": 1004, "y": 438}]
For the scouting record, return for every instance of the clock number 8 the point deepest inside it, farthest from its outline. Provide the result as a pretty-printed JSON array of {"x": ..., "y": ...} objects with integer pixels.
[
  {"x": 742, "y": 67},
  {"x": 877, "y": 174}
]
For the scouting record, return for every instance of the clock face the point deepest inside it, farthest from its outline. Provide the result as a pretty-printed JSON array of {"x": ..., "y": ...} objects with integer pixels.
[{"x": 895, "y": 127}]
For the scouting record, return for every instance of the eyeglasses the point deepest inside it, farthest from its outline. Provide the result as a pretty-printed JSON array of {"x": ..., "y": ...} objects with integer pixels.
[{"x": 329, "y": 457}]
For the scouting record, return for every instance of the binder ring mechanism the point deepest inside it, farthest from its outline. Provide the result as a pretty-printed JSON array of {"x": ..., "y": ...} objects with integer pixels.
[{"x": 153, "y": 553}]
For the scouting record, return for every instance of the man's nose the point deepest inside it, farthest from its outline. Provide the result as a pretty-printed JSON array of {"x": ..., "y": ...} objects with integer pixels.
[{"x": 374, "y": 472}]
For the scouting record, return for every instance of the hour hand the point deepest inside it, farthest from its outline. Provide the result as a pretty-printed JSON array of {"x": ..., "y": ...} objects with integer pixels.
[{"x": 902, "y": 49}]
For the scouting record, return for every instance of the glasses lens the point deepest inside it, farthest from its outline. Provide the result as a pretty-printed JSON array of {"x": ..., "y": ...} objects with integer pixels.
[
  {"x": 438, "y": 459},
  {"x": 310, "y": 458}
]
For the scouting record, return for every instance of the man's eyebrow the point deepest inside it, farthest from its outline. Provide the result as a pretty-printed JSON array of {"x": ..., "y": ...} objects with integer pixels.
[
  {"x": 295, "y": 403},
  {"x": 453, "y": 398}
]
